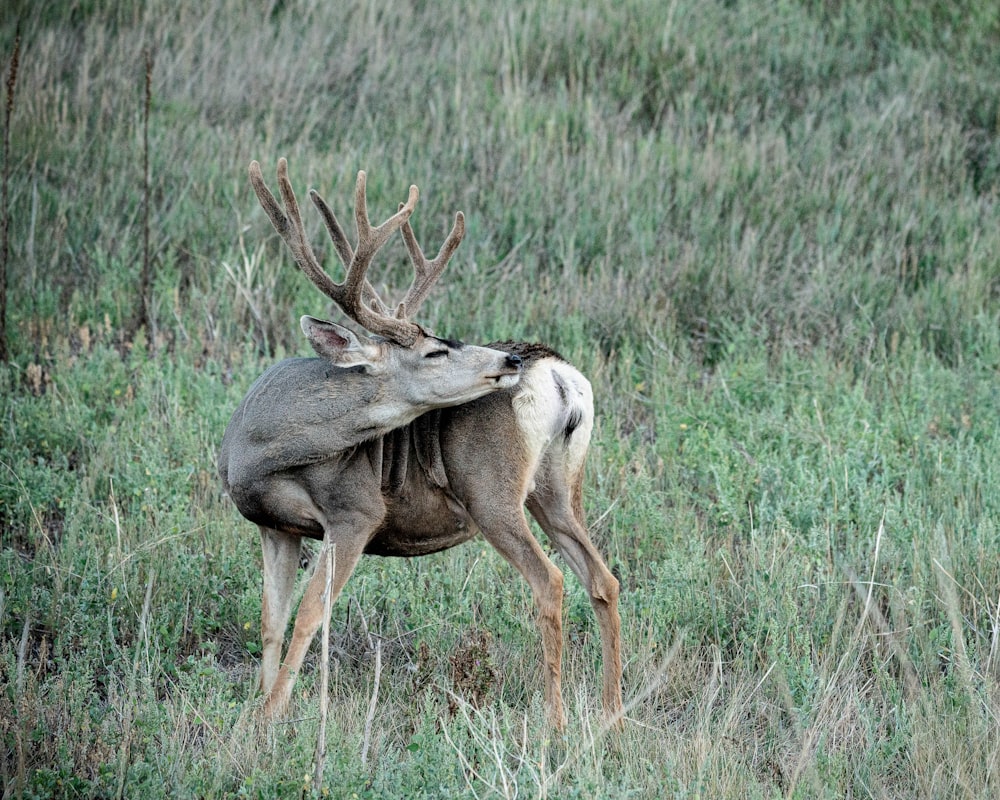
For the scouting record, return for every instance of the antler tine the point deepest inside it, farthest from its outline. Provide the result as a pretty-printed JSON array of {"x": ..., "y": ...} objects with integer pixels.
[
  {"x": 426, "y": 273},
  {"x": 290, "y": 227},
  {"x": 371, "y": 239},
  {"x": 355, "y": 296},
  {"x": 345, "y": 251},
  {"x": 356, "y": 286},
  {"x": 340, "y": 242}
]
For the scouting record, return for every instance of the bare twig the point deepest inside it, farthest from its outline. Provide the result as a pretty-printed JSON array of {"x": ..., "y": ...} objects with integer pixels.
[
  {"x": 5, "y": 223},
  {"x": 144, "y": 310}
]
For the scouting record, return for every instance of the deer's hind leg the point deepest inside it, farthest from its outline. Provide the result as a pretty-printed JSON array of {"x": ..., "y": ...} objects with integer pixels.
[
  {"x": 503, "y": 524},
  {"x": 557, "y": 506}
]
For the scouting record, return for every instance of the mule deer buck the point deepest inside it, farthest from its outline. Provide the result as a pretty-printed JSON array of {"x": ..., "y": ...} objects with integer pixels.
[{"x": 402, "y": 444}]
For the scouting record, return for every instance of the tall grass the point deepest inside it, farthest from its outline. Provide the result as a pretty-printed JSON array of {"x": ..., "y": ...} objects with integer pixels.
[{"x": 766, "y": 232}]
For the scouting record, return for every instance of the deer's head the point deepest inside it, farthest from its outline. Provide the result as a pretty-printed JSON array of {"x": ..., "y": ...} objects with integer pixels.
[
  {"x": 416, "y": 369},
  {"x": 430, "y": 373}
]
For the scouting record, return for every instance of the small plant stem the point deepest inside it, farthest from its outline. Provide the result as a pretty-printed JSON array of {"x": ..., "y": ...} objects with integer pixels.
[
  {"x": 372, "y": 704},
  {"x": 132, "y": 701},
  {"x": 22, "y": 651},
  {"x": 330, "y": 556}
]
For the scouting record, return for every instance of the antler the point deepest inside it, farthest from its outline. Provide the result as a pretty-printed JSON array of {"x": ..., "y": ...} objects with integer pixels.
[
  {"x": 355, "y": 296},
  {"x": 426, "y": 273}
]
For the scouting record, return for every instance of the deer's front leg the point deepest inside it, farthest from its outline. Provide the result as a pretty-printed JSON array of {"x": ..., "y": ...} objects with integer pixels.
[
  {"x": 309, "y": 617},
  {"x": 281, "y": 562}
]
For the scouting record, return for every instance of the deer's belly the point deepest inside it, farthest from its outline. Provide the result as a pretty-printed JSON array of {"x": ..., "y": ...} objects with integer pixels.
[{"x": 417, "y": 527}]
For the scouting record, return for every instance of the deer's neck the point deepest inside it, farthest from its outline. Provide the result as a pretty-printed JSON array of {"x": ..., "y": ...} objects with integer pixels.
[{"x": 305, "y": 410}]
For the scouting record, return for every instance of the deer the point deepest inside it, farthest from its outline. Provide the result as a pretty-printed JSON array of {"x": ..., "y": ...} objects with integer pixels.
[{"x": 395, "y": 442}]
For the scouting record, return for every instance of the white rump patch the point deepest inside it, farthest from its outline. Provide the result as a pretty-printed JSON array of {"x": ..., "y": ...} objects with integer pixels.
[{"x": 554, "y": 398}]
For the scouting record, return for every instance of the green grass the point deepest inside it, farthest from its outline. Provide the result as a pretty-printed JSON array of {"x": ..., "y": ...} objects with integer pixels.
[{"x": 768, "y": 233}]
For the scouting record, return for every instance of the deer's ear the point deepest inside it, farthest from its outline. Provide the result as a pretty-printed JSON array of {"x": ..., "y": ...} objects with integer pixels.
[{"x": 337, "y": 343}]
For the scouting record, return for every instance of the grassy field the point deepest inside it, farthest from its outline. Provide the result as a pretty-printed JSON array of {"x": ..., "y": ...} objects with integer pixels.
[{"x": 769, "y": 233}]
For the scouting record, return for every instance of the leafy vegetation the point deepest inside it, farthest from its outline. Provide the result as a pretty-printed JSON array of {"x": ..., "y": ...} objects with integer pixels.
[{"x": 768, "y": 233}]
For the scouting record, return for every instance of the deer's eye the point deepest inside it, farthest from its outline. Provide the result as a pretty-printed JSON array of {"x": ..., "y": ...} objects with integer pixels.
[{"x": 437, "y": 354}]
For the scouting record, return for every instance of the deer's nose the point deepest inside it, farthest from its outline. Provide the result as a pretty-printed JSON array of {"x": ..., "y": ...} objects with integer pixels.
[{"x": 515, "y": 361}]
